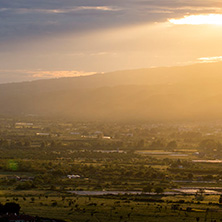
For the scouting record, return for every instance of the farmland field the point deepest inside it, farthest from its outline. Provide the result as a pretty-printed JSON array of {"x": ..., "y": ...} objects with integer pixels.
[{"x": 128, "y": 177}]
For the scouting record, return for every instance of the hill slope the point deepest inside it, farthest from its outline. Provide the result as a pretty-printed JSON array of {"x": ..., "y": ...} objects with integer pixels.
[{"x": 189, "y": 92}]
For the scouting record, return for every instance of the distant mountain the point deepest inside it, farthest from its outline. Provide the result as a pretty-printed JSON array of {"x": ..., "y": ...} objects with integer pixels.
[{"x": 170, "y": 93}]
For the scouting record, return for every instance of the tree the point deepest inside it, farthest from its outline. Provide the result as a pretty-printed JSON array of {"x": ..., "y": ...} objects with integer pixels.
[
  {"x": 190, "y": 176},
  {"x": 159, "y": 190},
  {"x": 208, "y": 145},
  {"x": 220, "y": 199},
  {"x": 171, "y": 145},
  {"x": 27, "y": 143},
  {"x": 1, "y": 208},
  {"x": 25, "y": 185},
  {"x": 140, "y": 143},
  {"x": 12, "y": 208},
  {"x": 200, "y": 194},
  {"x": 147, "y": 188},
  {"x": 43, "y": 144},
  {"x": 157, "y": 144}
]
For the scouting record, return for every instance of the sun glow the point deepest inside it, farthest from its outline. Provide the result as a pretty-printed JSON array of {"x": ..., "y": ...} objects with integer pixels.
[
  {"x": 209, "y": 19},
  {"x": 210, "y": 59}
]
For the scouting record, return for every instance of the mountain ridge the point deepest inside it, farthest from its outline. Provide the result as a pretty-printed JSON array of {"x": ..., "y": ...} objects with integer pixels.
[{"x": 170, "y": 93}]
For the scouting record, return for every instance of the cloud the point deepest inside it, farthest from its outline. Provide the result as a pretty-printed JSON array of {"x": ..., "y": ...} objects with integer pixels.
[
  {"x": 98, "y": 35},
  {"x": 161, "y": 11},
  {"x": 58, "y": 74},
  {"x": 210, "y": 59},
  {"x": 29, "y": 75},
  {"x": 57, "y": 11},
  {"x": 179, "y": 4},
  {"x": 180, "y": 8},
  {"x": 205, "y": 19},
  {"x": 25, "y": 19}
]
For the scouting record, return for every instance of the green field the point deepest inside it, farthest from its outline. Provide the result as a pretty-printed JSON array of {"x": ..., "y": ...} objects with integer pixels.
[{"x": 115, "y": 208}]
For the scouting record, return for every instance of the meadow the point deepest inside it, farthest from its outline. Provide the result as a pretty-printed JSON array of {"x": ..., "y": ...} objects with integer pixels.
[{"x": 115, "y": 208}]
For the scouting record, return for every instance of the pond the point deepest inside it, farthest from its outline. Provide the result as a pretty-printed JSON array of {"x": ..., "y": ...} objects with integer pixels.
[
  {"x": 160, "y": 152},
  {"x": 174, "y": 192}
]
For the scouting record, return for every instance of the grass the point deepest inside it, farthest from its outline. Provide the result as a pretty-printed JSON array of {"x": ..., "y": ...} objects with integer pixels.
[{"x": 112, "y": 208}]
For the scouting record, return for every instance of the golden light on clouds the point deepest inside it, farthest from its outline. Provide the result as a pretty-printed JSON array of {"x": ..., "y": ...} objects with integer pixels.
[
  {"x": 45, "y": 74},
  {"x": 58, "y": 74},
  {"x": 210, "y": 59},
  {"x": 208, "y": 19}
]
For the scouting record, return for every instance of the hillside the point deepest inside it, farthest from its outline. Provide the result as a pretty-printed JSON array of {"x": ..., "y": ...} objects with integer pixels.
[{"x": 172, "y": 93}]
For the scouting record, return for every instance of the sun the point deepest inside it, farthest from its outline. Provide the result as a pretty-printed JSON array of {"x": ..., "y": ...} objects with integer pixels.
[{"x": 205, "y": 19}]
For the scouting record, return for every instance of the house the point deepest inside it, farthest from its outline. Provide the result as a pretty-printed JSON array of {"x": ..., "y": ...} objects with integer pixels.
[
  {"x": 73, "y": 176},
  {"x": 14, "y": 177},
  {"x": 22, "y": 179},
  {"x": 42, "y": 134},
  {"x": 23, "y": 125},
  {"x": 106, "y": 137}
]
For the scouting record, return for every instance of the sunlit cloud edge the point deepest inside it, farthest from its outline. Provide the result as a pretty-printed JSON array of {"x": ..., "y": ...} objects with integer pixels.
[
  {"x": 201, "y": 19},
  {"x": 210, "y": 59},
  {"x": 47, "y": 73}
]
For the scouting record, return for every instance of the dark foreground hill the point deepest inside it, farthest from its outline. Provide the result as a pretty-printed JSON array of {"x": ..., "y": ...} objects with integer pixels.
[{"x": 174, "y": 93}]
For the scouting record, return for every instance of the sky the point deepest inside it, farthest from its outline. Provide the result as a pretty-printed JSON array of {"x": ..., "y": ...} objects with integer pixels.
[{"x": 57, "y": 38}]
